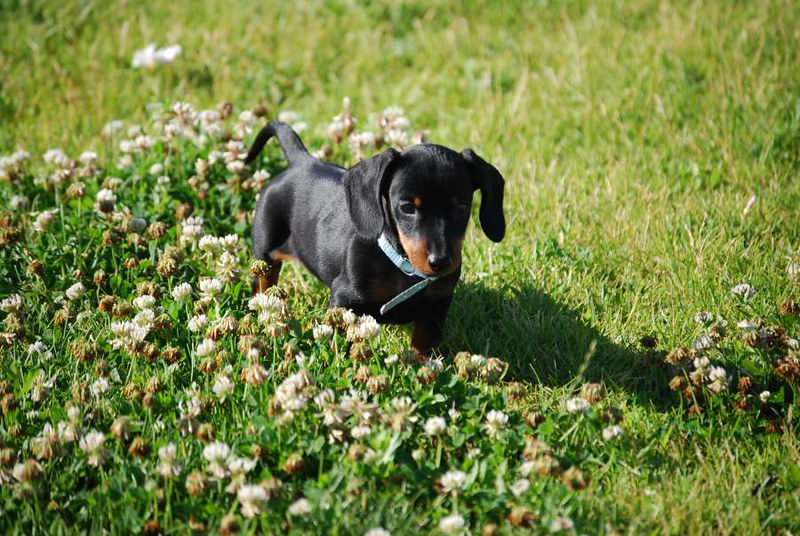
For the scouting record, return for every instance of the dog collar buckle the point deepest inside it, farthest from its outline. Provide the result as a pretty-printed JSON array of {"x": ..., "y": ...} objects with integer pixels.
[{"x": 405, "y": 266}]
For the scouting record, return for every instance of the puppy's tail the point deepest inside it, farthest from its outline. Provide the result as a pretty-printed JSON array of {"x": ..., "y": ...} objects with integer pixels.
[{"x": 290, "y": 142}]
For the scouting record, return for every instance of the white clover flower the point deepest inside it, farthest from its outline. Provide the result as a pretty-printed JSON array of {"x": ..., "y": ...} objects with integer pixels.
[
  {"x": 150, "y": 56},
  {"x": 561, "y": 524},
  {"x": 99, "y": 387},
  {"x": 520, "y": 487},
  {"x": 167, "y": 455},
  {"x": 12, "y": 304},
  {"x": 43, "y": 220},
  {"x": 75, "y": 291},
  {"x": 181, "y": 292},
  {"x": 366, "y": 328},
  {"x": 252, "y": 499},
  {"x": 704, "y": 317},
  {"x": 452, "y": 524},
  {"x": 577, "y": 404},
  {"x": 453, "y": 414},
  {"x": 145, "y": 301},
  {"x": 378, "y": 531},
  {"x": 210, "y": 244},
  {"x": 453, "y": 480},
  {"x": 74, "y": 414},
  {"x": 18, "y": 202},
  {"x": 145, "y": 318},
  {"x": 391, "y": 360},
  {"x": 288, "y": 116},
  {"x": 612, "y": 432},
  {"x": 223, "y": 386},
  {"x": 88, "y": 157},
  {"x": 704, "y": 342},
  {"x": 216, "y": 454},
  {"x": 718, "y": 379},
  {"x": 112, "y": 127},
  {"x": 145, "y": 57},
  {"x": 210, "y": 286},
  {"x": 360, "y": 431},
  {"x": 764, "y": 396},
  {"x": 268, "y": 306},
  {"x": 435, "y": 426},
  {"x": 477, "y": 360},
  {"x": 227, "y": 267},
  {"x": 106, "y": 195},
  {"x": 198, "y": 323},
  {"x": 495, "y": 421},
  {"x": 92, "y": 445},
  {"x": 743, "y": 290},
  {"x": 192, "y": 229},
  {"x": 127, "y": 333},
  {"x": 56, "y": 157},
  {"x": 349, "y": 318},
  {"x": 747, "y": 325},
  {"x": 205, "y": 348},
  {"x": 793, "y": 272},
  {"x": 322, "y": 332},
  {"x": 36, "y": 348},
  {"x": 396, "y": 138},
  {"x": 299, "y": 508}
]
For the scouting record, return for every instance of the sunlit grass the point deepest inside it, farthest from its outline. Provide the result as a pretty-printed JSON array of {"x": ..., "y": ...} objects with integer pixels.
[{"x": 650, "y": 152}]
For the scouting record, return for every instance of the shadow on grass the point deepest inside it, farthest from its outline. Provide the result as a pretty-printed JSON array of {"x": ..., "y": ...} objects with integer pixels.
[{"x": 546, "y": 342}]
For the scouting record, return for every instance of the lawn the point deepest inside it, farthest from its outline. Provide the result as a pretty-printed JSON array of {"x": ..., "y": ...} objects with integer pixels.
[{"x": 626, "y": 360}]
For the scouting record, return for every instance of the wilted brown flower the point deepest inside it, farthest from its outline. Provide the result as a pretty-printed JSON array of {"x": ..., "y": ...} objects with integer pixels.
[
  {"x": 36, "y": 267},
  {"x": 377, "y": 384},
  {"x": 360, "y": 352},
  {"x": 789, "y": 307},
  {"x": 535, "y": 448},
  {"x": 521, "y": 517},
  {"x": 533, "y": 418},
  {"x": 195, "y": 483},
  {"x": 678, "y": 356},
  {"x": 229, "y": 525},
  {"x": 593, "y": 392},
  {"x": 294, "y": 464},
  {"x": 152, "y": 528},
  {"x": 788, "y": 368},
  {"x": 678, "y": 383},
  {"x": 139, "y": 447},
  {"x": 157, "y": 230},
  {"x": 121, "y": 309},
  {"x": 171, "y": 354},
  {"x": 206, "y": 432},
  {"x": 121, "y": 428},
  {"x": 575, "y": 479},
  {"x": 426, "y": 375}
]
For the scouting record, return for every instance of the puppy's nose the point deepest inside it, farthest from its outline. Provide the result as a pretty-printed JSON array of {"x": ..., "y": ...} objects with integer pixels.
[{"x": 439, "y": 263}]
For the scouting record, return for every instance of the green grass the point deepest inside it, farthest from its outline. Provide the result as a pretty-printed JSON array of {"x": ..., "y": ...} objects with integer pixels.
[{"x": 631, "y": 136}]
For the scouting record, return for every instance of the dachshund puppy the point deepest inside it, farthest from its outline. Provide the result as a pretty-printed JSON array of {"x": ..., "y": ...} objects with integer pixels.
[{"x": 384, "y": 235}]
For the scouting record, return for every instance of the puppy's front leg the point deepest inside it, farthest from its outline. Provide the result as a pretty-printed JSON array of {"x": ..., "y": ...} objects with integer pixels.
[{"x": 428, "y": 329}]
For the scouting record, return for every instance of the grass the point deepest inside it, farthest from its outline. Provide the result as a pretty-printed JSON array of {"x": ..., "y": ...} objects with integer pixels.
[{"x": 631, "y": 135}]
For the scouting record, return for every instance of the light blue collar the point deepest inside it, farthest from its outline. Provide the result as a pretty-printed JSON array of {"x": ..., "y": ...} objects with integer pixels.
[{"x": 406, "y": 267}]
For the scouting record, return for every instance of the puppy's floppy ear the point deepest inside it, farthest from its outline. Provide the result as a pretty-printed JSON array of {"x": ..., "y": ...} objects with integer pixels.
[
  {"x": 363, "y": 184},
  {"x": 489, "y": 181}
]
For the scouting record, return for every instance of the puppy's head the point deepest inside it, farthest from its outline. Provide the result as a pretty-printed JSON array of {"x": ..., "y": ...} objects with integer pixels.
[{"x": 423, "y": 197}]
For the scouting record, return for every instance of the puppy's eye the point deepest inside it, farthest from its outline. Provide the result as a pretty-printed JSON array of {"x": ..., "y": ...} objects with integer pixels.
[{"x": 408, "y": 208}]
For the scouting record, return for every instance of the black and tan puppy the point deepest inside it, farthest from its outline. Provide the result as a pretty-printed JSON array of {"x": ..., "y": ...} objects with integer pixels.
[{"x": 384, "y": 235}]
